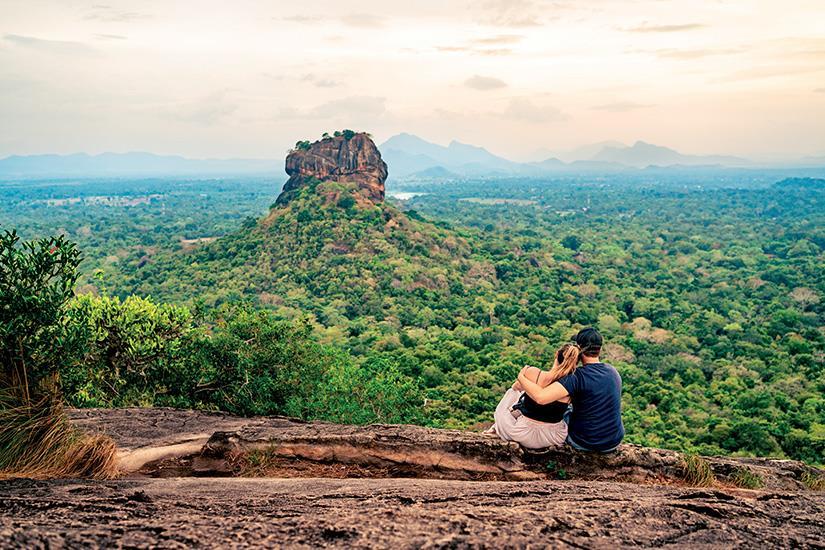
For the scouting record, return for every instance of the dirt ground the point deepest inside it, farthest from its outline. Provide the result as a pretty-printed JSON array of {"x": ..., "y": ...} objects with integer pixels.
[{"x": 398, "y": 513}]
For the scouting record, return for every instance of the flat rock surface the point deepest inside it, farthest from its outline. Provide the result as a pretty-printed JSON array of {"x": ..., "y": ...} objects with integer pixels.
[
  {"x": 162, "y": 441},
  {"x": 399, "y": 513}
]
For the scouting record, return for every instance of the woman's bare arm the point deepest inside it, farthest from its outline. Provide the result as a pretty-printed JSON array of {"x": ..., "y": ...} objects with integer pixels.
[
  {"x": 539, "y": 394},
  {"x": 533, "y": 373}
]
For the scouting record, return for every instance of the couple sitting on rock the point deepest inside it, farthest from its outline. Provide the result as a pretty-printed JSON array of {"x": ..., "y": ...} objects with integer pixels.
[{"x": 579, "y": 405}]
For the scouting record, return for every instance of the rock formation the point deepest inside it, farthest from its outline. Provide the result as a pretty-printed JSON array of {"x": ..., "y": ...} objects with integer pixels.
[
  {"x": 351, "y": 157},
  {"x": 302, "y": 507},
  {"x": 161, "y": 442}
]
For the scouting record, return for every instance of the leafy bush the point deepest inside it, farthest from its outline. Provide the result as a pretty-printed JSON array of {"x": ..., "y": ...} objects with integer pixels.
[
  {"x": 36, "y": 281},
  {"x": 131, "y": 350},
  {"x": 36, "y": 440},
  {"x": 243, "y": 361}
]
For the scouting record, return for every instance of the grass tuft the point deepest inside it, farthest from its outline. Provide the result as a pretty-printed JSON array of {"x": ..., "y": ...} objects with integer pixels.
[
  {"x": 814, "y": 481},
  {"x": 697, "y": 472},
  {"x": 746, "y": 479},
  {"x": 38, "y": 441}
]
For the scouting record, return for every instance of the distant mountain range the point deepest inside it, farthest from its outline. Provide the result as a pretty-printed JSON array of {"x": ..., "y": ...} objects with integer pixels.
[
  {"x": 407, "y": 156},
  {"x": 130, "y": 164}
]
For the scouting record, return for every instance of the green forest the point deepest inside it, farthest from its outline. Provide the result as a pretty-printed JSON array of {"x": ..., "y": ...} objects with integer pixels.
[{"x": 707, "y": 287}]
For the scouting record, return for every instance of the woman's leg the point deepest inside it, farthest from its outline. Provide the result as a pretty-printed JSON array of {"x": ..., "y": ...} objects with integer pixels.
[{"x": 503, "y": 416}]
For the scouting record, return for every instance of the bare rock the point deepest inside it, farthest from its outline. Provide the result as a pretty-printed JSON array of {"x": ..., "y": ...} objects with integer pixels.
[
  {"x": 354, "y": 159},
  {"x": 399, "y": 513},
  {"x": 161, "y": 442}
]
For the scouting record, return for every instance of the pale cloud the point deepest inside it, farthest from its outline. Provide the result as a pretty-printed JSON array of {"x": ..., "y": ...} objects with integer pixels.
[
  {"x": 320, "y": 81},
  {"x": 49, "y": 46},
  {"x": 621, "y": 106},
  {"x": 695, "y": 54},
  {"x": 484, "y": 83},
  {"x": 355, "y": 20},
  {"x": 363, "y": 20},
  {"x": 769, "y": 71},
  {"x": 490, "y": 52},
  {"x": 523, "y": 109},
  {"x": 510, "y": 13},
  {"x": 110, "y": 37},
  {"x": 208, "y": 111},
  {"x": 137, "y": 74},
  {"x": 500, "y": 39},
  {"x": 352, "y": 107},
  {"x": 681, "y": 27},
  {"x": 304, "y": 19},
  {"x": 110, "y": 14}
]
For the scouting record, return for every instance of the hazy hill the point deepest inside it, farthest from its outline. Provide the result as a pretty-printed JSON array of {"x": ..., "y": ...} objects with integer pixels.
[
  {"x": 129, "y": 164},
  {"x": 643, "y": 154},
  {"x": 406, "y": 154}
]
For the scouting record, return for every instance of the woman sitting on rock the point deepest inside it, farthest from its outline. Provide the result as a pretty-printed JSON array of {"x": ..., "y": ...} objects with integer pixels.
[{"x": 519, "y": 418}]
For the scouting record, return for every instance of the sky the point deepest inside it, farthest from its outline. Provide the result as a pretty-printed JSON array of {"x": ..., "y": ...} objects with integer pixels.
[{"x": 519, "y": 77}]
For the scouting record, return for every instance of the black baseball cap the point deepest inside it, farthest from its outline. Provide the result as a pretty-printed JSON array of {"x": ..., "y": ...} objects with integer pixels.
[{"x": 589, "y": 340}]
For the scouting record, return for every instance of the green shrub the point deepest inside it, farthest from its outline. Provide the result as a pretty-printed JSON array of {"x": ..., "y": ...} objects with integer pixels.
[
  {"x": 36, "y": 342},
  {"x": 132, "y": 350},
  {"x": 37, "y": 279}
]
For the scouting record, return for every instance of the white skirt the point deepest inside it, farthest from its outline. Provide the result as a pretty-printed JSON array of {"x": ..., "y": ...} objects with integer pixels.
[{"x": 529, "y": 433}]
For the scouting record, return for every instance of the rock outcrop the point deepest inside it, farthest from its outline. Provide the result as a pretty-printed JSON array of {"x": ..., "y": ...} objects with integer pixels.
[
  {"x": 352, "y": 157},
  {"x": 166, "y": 442},
  {"x": 399, "y": 514},
  {"x": 585, "y": 508}
]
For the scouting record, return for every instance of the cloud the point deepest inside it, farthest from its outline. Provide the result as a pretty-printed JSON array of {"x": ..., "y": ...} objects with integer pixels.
[
  {"x": 484, "y": 83},
  {"x": 303, "y": 19},
  {"x": 110, "y": 37},
  {"x": 621, "y": 106},
  {"x": 820, "y": 91},
  {"x": 475, "y": 51},
  {"x": 319, "y": 81},
  {"x": 363, "y": 20},
  {"x": 208, "y": 111},
  {"x": 49, "y": 46},
  {"x": 525, "y": 110},
  {"x": 356, "y": 20},
  {"x": 510, "y": 13},
  {"x": 350, "y": 107},
  {"x": 769, "y": 71},
  {"x": 645, "y": 27},
  {"x": 102, "y": 12},
  {"x": 695, "y": 54},
  {"x": 500, "y": 39}
]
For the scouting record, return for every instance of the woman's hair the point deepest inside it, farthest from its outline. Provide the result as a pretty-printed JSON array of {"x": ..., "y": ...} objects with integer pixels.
[{"x": 567, "y": 359}]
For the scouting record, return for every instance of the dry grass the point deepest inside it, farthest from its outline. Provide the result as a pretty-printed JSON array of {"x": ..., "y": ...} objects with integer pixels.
[
  {"x": 746, "y": 479},
  {"x": 814, "y": 481},
  {"x": 697, "y": 472},
  {"x": 38, "y": 441}
]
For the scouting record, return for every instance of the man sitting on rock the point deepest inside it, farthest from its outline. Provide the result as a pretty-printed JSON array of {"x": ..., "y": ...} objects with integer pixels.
[{"x": 595, "y": 392}]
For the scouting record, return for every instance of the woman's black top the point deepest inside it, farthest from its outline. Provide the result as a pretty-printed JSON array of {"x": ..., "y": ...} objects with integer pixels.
[{"x": 551, "y": 412}]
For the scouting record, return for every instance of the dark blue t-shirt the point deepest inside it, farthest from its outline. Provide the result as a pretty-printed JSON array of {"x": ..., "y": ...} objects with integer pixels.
[{"x": 596, "y": 393}]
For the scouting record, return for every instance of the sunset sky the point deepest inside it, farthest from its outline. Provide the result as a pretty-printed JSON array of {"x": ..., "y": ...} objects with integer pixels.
[{"x": 248, "y": 79}]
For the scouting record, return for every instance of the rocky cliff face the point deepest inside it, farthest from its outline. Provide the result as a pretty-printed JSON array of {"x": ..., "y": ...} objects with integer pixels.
[{"x": 353, "y": 159}]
